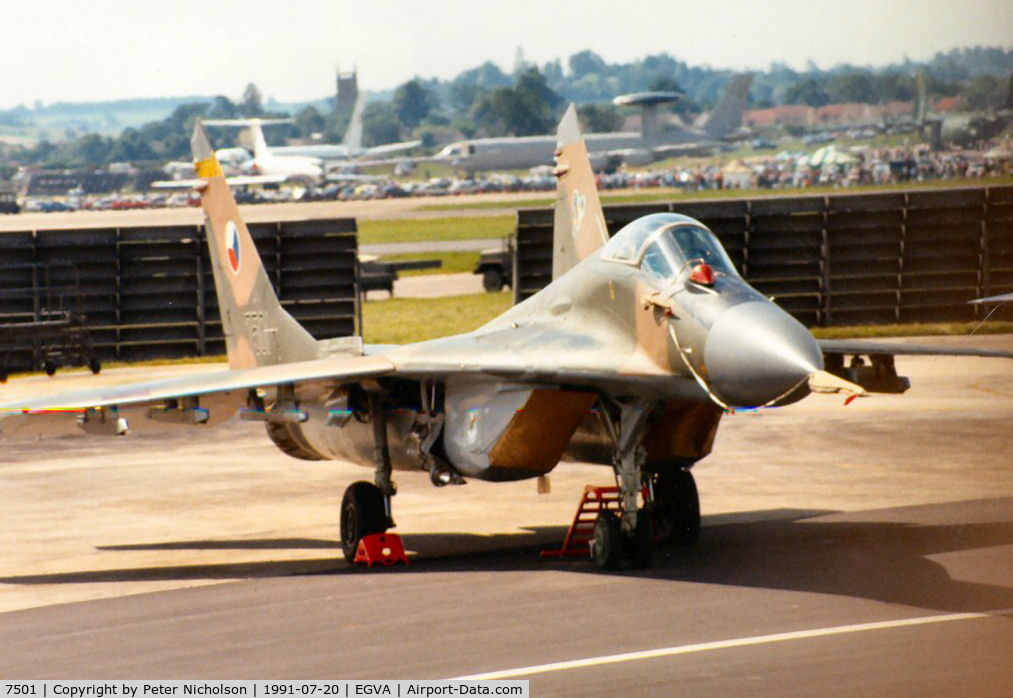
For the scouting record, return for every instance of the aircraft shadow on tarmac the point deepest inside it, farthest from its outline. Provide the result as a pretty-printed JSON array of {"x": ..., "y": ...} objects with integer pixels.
[{"x": 885, "y": 561}]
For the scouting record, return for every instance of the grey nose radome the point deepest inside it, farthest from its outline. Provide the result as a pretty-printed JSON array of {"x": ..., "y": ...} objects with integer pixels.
[{"x": 755, "y": 353}]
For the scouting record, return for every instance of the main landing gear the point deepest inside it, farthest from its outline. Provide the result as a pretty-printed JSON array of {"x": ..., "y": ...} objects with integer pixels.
[
  {"x": 366, "y": 506},
  {"x": 664, "y": 508}
]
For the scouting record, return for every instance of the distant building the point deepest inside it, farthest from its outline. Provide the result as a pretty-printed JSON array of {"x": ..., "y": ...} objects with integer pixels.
[
  {"x": 828, "y": 115},
  {"x": 348, "y": 92},
  {"x": 949, "y": 104}
]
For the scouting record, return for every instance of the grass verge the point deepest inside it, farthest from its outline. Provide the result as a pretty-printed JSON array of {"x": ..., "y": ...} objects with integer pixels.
[
  {"x": 426, "y": 229},
  {"x": 451, "y": 262},
  {"x": 405, "y": 320}
]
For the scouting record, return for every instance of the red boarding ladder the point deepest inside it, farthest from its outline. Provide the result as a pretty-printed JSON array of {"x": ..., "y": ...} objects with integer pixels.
[{"x": 578, "y": 539}]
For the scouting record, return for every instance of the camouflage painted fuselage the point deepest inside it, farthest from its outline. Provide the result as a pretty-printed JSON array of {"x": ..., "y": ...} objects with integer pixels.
[{"x": 613, "y": 332}]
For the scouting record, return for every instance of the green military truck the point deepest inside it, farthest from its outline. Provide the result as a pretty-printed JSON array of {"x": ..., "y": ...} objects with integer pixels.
[{"x": 496, "y": 266}]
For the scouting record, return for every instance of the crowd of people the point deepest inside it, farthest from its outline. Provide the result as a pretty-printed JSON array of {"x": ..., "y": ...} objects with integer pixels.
[{"x": 826, "y": 167}]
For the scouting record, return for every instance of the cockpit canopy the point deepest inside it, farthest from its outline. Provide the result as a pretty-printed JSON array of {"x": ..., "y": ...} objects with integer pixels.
[{"x": 665, "y": 244}]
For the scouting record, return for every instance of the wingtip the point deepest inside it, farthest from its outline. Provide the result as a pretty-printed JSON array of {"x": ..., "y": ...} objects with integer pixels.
[{"x": 569, "y": 127}]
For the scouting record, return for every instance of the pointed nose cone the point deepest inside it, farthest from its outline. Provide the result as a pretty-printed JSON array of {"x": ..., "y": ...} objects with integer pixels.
[{"x": 756, "y": 352}]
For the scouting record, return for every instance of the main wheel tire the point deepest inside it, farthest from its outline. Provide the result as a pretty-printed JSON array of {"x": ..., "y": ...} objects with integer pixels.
[
  {"x": 49, "y": 367},
  {"x": 642, "y": 543},
  {"x": 608, "y": 541},
  {"x": 492, "y": 280},
  {"x": 677, "y": 508},
  {"x": 362, "y": 513},
  {"x": 94, "y": 366}
]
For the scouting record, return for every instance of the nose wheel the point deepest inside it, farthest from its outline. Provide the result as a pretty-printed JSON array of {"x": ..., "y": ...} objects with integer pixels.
[{"x": 612, "y": 546}]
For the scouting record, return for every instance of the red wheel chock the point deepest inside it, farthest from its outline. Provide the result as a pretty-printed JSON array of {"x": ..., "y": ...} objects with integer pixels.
[{"x": 383, "y": 548}]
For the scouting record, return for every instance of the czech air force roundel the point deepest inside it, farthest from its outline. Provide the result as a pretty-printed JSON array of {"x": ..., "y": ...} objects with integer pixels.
[{"x": 232, "y": 246}]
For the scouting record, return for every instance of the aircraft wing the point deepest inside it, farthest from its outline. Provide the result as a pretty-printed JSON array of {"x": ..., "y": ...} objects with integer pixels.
[
  {"x": 324, "y": 151},
  {"x": 865, "y": 347},
  {"x": 879, "y": 374},
  {"x": 533, "y": 354},
  {"x": 236, "y": 181},
  {"x": 387, "y": 148},
  {"x": 331, "y": 371}
]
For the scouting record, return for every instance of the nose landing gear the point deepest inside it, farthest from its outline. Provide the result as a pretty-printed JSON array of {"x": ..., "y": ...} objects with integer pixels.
[{"x": 663, "y": 509}]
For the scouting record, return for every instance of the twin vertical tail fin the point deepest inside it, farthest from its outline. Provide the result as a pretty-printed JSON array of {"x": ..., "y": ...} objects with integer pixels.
[
  {"x": 727, "y": 113},
  {"x": 258, "y": 331},
  {"x": 579, "y": 224}
]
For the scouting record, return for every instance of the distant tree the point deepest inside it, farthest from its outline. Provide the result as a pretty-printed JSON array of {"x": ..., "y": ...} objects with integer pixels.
[
  {"x": 486, "y": 76},
  {"x": 852, "y": 87},
  {"x": 894, "y": 85},
  {"x": 937, "y": 86},
  {"x": 532, "y": 85},
  {"x": 807, "y": 92},
  {"x": 465, "y": 89},
  {"x": 553, "y": 72},
  {"x": 528, "y": 108},
  {"x": 463, "y": 95},
  {"x": 1008, "y": 102},
  {"x": 90, "y": 150},
  {"x": 131, "y": 147},
  {"x": 412, "y": 103},
  {"x": 585, "y": 63},
  {"x": 309, "y": 121},
  {"x": 685, "y": 106},
  {"x": 252, "y": 104},
  {"x": 184, "y": 116},
  {"x": 428, "y": 139},
  {"x": 335, "y": 125},
  {"x": 465, "y": 125},
  {"x": 984, "y": 92},
  {"x": 42, "y": 151},
  {"x": 379, "y": 124},
  {"x": 495, "y": 111},
  {"x": 664, "y": 83},
  {"x": 222, "y": 108},
  {"x": 599, "y": 118}
]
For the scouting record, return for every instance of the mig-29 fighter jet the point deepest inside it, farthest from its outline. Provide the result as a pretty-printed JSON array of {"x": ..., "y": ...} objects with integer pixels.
[{"x": 628, "y": 358}]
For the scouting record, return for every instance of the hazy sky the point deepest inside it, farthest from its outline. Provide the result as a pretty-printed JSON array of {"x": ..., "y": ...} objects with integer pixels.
[{"x": 87, "y": 50}]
